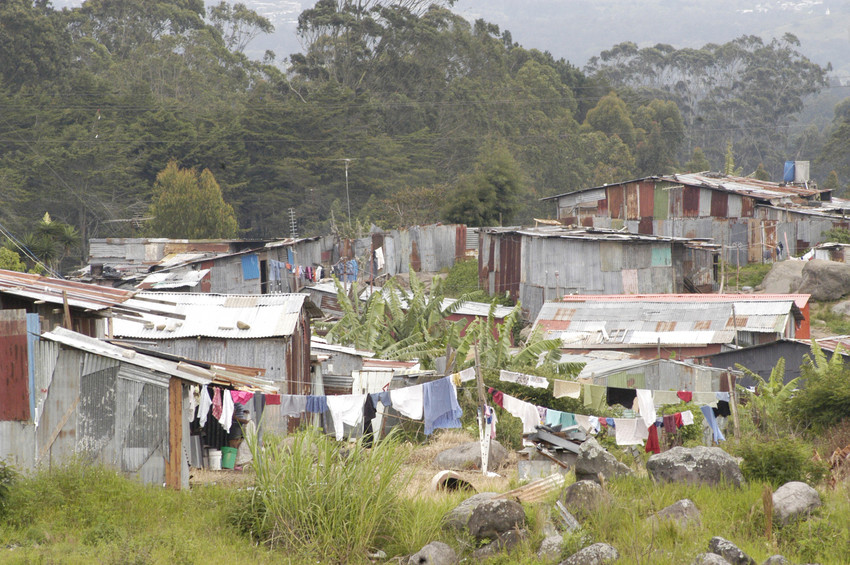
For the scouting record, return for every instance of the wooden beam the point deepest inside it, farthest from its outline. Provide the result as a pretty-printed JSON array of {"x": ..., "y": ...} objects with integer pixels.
[{"x": 175, "y": 434}]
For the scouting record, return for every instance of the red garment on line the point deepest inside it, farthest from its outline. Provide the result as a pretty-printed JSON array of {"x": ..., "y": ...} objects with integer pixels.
[
  {"x": 652, "y": 444},
  {"x": 685, "y": 396}
]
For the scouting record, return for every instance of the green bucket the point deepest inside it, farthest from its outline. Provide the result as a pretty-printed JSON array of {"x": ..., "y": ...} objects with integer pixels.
[{"x": 228, "y": 457}]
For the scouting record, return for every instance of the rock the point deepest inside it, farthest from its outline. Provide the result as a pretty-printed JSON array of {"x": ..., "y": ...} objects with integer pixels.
[
  {"x": 794, "y": 500},
  {"x": 825, "y": 280},
  {"x": 468, "y": 456},
  {"x": 709, "y": 559},
  {"x": 550, "y": 548},
  {"x": 584, "y": 497},
  {"x": 593, "y": 459},
  {"x": 729, "y": 551},
  {"x": 494, "y": 517},
  {"x": 596, "y": 554},
  {"x": 459, "y": 517},
  {"x": 776, "y": 560},
  {"x": 503, "y": 543},
  {"x": 784, "y": 277},
  {"x": 683, "y": 513},
  {"x": 435, "y": 553},
  {"x": 695, "y": 465},
  {"x": 841, "y": 308}
]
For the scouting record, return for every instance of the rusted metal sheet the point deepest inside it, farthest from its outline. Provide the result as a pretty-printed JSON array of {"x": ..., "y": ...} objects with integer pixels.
[
  {"x": 616, "y": 202},
  {"x": 647, "y": 199},
  {"x": 719, "y": 204},
  {"x": 14, "y": 366},
  {"x": 645, "y": 226},
  {"x": 747, "y": 207},
  {"x": 632, "y": 202},
  {"x": 536, "y": 491},
  {"x": 460, "y": 242},
  {"x": 415, "y": 261},
  {"x": 602, "y": 206},
  {"x": 690, "y": 202}
]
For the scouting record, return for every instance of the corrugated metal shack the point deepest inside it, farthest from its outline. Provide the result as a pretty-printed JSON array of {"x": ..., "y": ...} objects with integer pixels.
[
  {"x": 668, "y": 326},
  {"x": 749, "y": 217},
  {"x": 539, "y": 264},
  {"x": 112, "y": 405},
  {"x": 656, "y": 374},
  {"x": 270, "y": 331}
]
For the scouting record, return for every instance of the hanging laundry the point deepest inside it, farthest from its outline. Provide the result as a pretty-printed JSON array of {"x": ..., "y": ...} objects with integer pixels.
[
  {"x": 369, "y": 413},
  {"x": 241, "y": 396},
  {"x": 498, "y": 397},
  {"x": 630, "y": 431},
  {"x": 568, "y": 389},
  {"x": 646, "y": 406},
  {"x": 594, "y": 396},
  {"x": 491, "y": 419},
  {"x": 525, "y": 411},
  {"x": 589, "y": 424},
  {"x": 204, "y": 406},
  {"x": 679, "y": 420},
  {"x": 408, "y": 401},
  {"x": 216, "y": 403},
  {"x": 467, "y": 374},
  {"x": 710, "y": 420},
  {"x": 292, "y": 404},
  {"x": 379, "y": 258},
  {"x": 345, "y": 409},
  {"x": 194, "y": 400},
  {"x": 664, "y": 397},
  {"x": 272, "y": 399},
  {"x": 227, "y": 409},
  {"x": 652, "y": 445},
  {"x": 687, "y": 418},
  {"x": 316, "y": 404},
  {"x": 705, "y": 398},
  {"x": 722, "y": 409},
  {"x": 523, "y": 379},
  {"x": 722, "y": 396},
  {"x": 622, "y": 396},
  {"x": 558, "y": 418},
  {"x": 440, "y": 405},
  {"x": 685, "y": 396},
  {"x": 670, "y": 425},
  {"x": 541, "y": 413}
]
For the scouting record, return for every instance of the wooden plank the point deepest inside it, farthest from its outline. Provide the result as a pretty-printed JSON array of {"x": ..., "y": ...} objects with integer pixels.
[{"x": 175, "y": 433}]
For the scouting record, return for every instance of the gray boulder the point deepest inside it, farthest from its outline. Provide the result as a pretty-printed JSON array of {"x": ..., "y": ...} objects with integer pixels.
[
  {"x": 776, "y": 560},
  {"x": 494, "y": 517},
  {"x": 794, "y": 500},
  {"x": 435, "y": 553},
  {"x": 594, "y": 460},
  {"x": 825, "y": 280},
  {"x": 682, "y": 512},
  {"x": 550, "y": 548},
  {"x": 582, "y": 498},
  {"x": 596, "y": 554},
  {"x": 505, "y": 542},
  {"x": 459, "y": 517},
  {"x": 729, "y": 551},
  {"x": 468, "y": 456},
  {"x": 709, "y": 559},
  {"x": 695, "y": 465},
  {"x": 784, "y": 277}
]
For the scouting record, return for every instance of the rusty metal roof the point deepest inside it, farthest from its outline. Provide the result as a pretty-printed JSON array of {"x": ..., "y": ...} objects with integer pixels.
[
  {"x": 219, "y": 315},
  {"x": 165, "y": 279},
  {"x": 598, "y": 234},
  {"x": 800, "y": 300},
  {"x": 598, "y": 323}
]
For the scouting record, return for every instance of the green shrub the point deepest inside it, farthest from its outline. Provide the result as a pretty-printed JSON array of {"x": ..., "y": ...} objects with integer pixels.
[
  {"x": 8, "y": 476},
  {"x": 462, "y": 278},
  {"x": 779, "y": 460}
]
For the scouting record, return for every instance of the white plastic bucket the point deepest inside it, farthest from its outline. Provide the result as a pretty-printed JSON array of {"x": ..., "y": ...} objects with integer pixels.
[{"x": 215, "y": 459}]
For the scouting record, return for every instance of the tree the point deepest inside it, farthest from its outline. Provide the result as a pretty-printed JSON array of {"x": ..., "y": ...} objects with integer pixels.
[
  {"x": 761, "y": 174},
  {"x": 698, "y": 162},
  {"x": 832, "y": 182},
  {"x": 188, "y": 205},
  {"x": 611, "y": 117},
  {"x": 729, "y": 162},
  {"x": 11, "y": 261},
  {"x": 824, "y": 399},
  {"x": 489, "y": 196}
]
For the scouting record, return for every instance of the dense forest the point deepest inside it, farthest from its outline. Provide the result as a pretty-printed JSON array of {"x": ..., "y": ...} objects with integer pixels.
[{"x": 401, "y": 111}]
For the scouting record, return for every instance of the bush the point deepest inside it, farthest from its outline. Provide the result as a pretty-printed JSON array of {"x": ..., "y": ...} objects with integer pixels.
[
  {"x": 462, "y": 278},
  {"x": 8, "y": 476},
  {"x": 778, "y": 461}
]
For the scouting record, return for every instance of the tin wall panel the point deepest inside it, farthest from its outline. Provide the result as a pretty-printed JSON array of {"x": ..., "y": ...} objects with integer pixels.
[
  {"x": 636, "y": 256},
  {"x": 610, "y": 255},
  {"x": 747, "y": 207},
  {"x": 646, "y": 196},
  {"x": 96, "y": 413},
  {"x": 661, "y": 255},
  {"x": 690, "y": 202},
  {"x": 661, "y": 203},
  {"x": 677, "y": 200},
  {"x": 719, "y": 204},
  {"x": 632, "y": 202},
  {"x": 14, "y": 366},
  {"x": 705, "y": 200},
  {"x": 56, "y": 433},
  {"x": 630, "y": 281},
  {"x": 616, "y": 202},
  {"x": 734, "y": 205}
]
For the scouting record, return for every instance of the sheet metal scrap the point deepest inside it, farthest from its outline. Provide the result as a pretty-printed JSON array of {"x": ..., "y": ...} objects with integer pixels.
[{"x": 536, "y": 491}]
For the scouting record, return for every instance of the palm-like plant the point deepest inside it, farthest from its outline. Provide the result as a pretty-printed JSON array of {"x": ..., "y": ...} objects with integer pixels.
[{"x": 771, "y": 398}]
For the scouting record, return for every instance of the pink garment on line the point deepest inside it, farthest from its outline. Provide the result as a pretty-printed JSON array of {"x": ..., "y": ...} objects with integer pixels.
[{"x": 241, "y": 396}]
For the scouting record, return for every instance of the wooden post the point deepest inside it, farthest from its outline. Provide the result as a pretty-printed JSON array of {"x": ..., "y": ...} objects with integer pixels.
[
  {"x": 484, "y": 429},
  {"x": 175, "y": 433},
  {"x": 66, "y": 322},
  {"x": 733, "y": 403}
]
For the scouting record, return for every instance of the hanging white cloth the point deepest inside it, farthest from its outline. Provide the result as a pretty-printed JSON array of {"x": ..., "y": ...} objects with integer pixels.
[
  {"x": 523, "y": 410},
  {"x": 409, "y": 401},
  {"x": 646, "y": 406},
  {"x": 630, "y": 431},
  {"x": 204, "y": 406},
  {"x": 345, "y": 409},
  {"x": 227, "y": 408}
]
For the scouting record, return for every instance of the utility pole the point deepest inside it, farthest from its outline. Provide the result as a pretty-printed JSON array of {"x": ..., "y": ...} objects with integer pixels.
[{"x": 347, "y": 197}]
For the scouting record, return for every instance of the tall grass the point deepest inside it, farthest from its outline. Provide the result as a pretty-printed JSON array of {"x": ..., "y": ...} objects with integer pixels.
[{"x": 321, "y": 498}]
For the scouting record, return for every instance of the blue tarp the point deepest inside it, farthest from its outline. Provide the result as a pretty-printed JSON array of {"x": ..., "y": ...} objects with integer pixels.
[
  {"x": 250, "y": 267},
  {"x": 788, "y": 175}
]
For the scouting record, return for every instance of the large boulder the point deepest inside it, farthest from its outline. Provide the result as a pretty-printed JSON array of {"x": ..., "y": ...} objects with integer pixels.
[
  {"x": 596, "y": 554},
  {"x": 825, "y": 280},
  {"x": 494, "y": 517},
  {"x": 709, "y": 559},
  {"x": 459, "y": 517},
  {"x": 683, "y": 513},
  {"x": 468, "y": 456},
  {"x": 695, "y": 465},
  {"x": 505, "y": 542},
  {"x": 582, "y": 498},
  {"x": 784, "y": 277},
  {"x": 550, "y": 548},
  {"x": 777, "y": 560},
  {"x": 729, "y": 551},
  {"x": 435, "y": 553},
  {"x": 593, "y": 461},
  {"x": 794, "y": 500}
]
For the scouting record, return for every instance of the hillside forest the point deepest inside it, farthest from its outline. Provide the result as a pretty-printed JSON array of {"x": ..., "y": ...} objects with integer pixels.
[{"x": 393, "y": 113}]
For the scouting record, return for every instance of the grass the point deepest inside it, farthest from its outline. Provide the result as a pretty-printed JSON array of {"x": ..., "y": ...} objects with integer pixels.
[
  {"x": 836, "y": 323},
  {"x": 315, "y": 500},
  {"x": 748, "y": 275}
]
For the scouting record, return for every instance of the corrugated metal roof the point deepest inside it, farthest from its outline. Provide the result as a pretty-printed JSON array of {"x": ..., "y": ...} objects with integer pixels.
[
  {"x": 322, "y": 345},
  {"x": 218, "y": 315},
  {"x": 799, "y": 299},
  {"x": 598, "y": 234},
  {"x": 163, "y": 279},
  {"x": 601, "y": 323},
  {"x": 181, "y": 370}
]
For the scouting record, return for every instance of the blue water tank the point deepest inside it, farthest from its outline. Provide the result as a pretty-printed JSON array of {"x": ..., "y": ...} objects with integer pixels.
[{"x": 788, "y": 175}]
